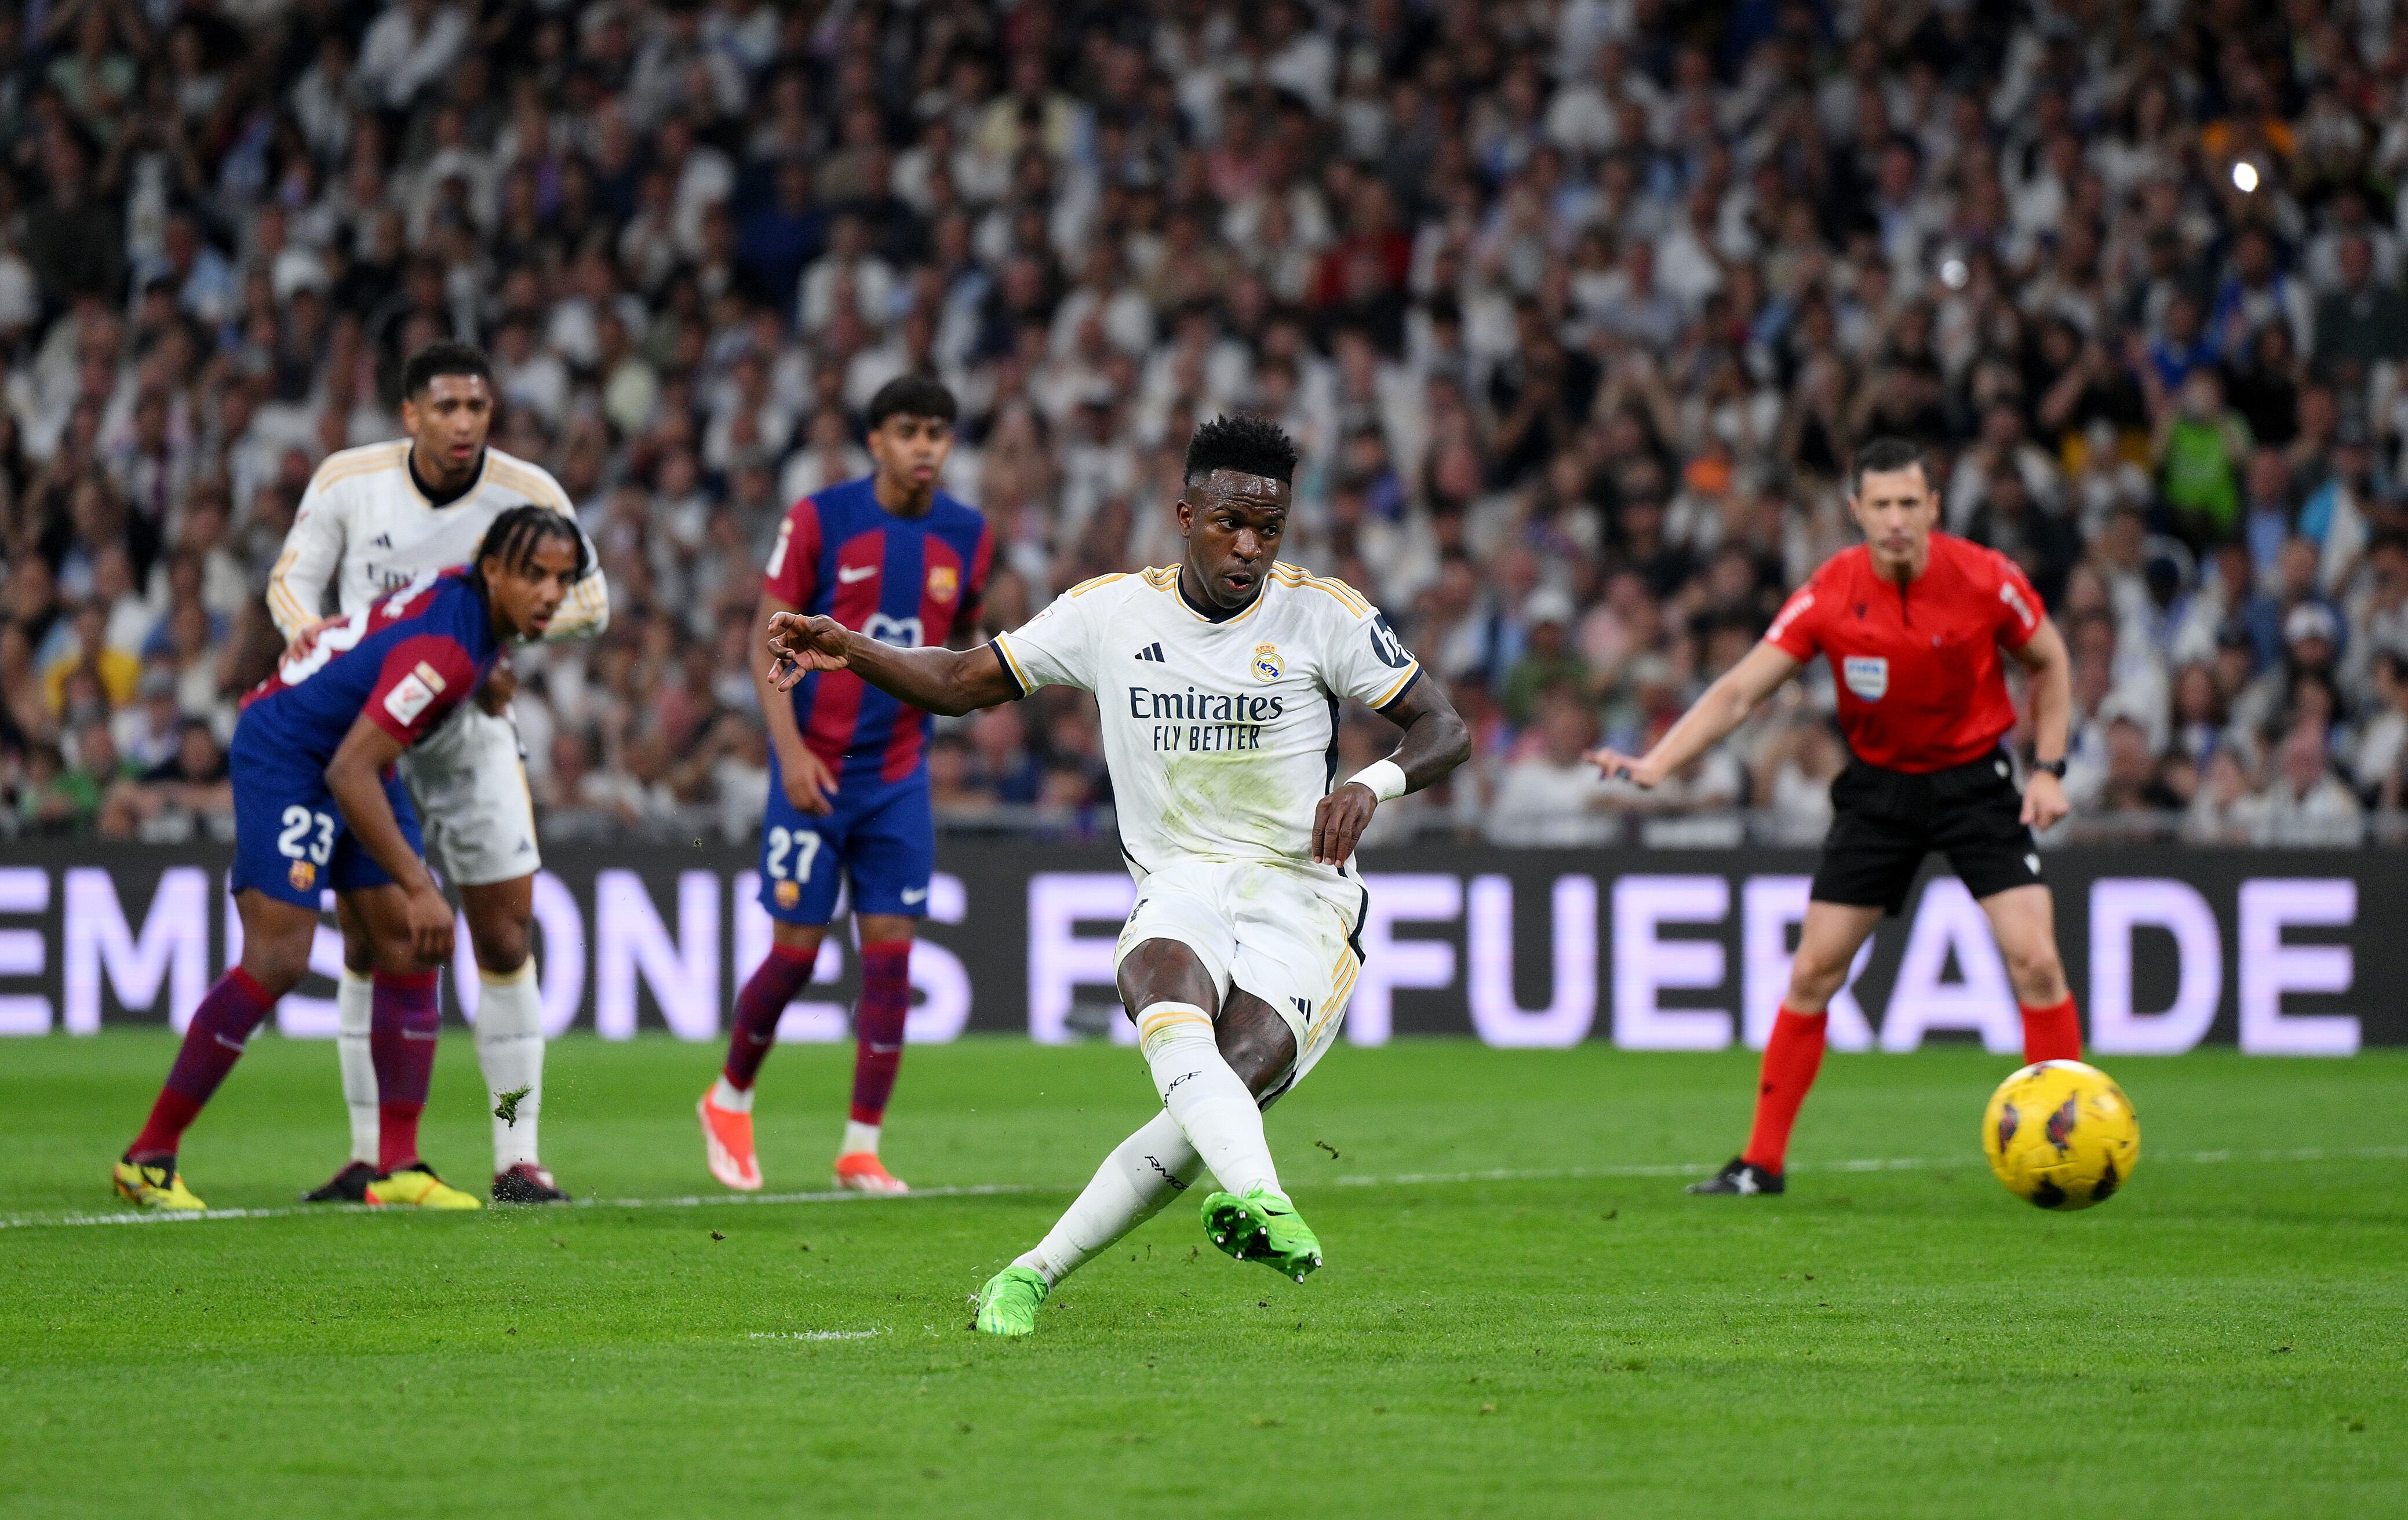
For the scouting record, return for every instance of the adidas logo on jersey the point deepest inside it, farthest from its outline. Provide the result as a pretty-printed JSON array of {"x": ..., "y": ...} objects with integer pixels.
[
  {"x": 1303, "y": 1007},
  {"x": 1151, "y": 652},
  {"x": 382, "y": 540}
]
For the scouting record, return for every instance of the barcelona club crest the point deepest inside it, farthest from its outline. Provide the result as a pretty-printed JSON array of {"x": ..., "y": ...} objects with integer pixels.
[
  {"x": 788, "y": 894},
  {"x": 303, "y": 876},
  {"x": 943, "y": 580},
  {"x": 1267, "y": 666}
]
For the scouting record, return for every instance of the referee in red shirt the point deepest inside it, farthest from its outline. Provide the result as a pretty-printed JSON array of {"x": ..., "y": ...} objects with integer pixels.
[{"x": 1913, "y": 623}]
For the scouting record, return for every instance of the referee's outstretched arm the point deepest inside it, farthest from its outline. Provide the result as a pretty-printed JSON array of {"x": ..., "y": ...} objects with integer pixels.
[{"x": 1723, "y": 707}]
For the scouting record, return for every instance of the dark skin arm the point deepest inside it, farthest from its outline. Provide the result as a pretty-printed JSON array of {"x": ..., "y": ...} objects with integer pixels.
[
  {"x": 355, "y": 776},
  {"x": 1436, "y": 742},
  {"x": 946, "y": 682}
]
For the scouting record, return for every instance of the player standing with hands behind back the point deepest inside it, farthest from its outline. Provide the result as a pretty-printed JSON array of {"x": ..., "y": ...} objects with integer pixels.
[
  {"x": 1912, "y": 622},
  {"x": 900, "y": 562}
]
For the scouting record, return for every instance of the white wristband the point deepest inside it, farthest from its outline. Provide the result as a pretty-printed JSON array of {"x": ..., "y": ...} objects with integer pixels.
[{"x": 1384, "y": 778}]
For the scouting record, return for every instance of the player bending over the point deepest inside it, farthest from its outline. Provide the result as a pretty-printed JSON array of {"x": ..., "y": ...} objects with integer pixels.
[
  {"x": 1911, "y": 621},
  {"x": 897, "y": 561},
  {"x": 317, "y": 798},
  {"x": 1219, "y": 681},
  {"x": 374, "y": 519}
]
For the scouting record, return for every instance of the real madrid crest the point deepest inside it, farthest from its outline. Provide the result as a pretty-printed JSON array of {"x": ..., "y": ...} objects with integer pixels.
[{"x": 1268, "y": 664}]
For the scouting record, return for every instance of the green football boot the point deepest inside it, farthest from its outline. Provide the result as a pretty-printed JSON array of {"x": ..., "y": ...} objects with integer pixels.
[
  {"x": 1008, "y": 1304},
  {"x": 1260, "y": 1225}
]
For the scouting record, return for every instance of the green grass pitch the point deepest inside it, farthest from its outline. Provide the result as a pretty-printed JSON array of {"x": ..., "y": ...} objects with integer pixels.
[{"x": 1570, "y": 1335}]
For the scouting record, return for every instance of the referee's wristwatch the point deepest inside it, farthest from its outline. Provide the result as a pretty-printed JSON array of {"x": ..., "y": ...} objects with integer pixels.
[{"x": 2054, "y": 767}]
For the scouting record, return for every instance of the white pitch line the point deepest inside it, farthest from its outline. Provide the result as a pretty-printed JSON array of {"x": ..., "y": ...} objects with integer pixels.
[{"x": 1404, "y": 1179}]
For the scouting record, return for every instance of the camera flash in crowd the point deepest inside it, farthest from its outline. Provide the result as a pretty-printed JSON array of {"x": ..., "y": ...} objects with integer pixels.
[{"x": 2244, "y": 177}]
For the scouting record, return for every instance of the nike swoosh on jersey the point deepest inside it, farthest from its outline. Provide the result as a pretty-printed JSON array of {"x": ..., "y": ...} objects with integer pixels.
[
  {"x": 914, "y": 894},
  {"x": 857, "y": 572}
]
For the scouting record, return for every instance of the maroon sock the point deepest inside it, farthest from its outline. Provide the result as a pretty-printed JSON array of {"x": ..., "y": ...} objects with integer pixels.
[
  {"x": 758, "y": 1008},
  {"x": 2053, "y": 1033},
  {"x": 212, "y": 1043},
  {"x": 403, "y": 1021},
  {"x": 1791, "y": 1059},
  {"x": 877, "y": 1026}
]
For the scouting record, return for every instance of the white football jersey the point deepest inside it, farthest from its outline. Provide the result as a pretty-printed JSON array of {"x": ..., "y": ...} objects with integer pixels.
[
  {"x": 1220, "y": 737},
  {"x": 364, "y": 527}
]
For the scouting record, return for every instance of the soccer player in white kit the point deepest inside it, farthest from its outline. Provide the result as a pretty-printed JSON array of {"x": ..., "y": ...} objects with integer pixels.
[
  {"x": 1219, "y": 681},
  {"x": 373, "y": 519}
]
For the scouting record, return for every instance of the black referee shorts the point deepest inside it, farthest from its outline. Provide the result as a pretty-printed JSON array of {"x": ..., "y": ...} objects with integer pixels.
[{"x": 1885, "y": 822}]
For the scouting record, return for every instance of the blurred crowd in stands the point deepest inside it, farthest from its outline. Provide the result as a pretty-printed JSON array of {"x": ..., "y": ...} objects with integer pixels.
[{"x": 1577, "y": 308}]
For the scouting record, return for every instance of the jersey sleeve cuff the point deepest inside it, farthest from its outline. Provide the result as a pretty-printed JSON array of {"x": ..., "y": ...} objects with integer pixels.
[
  {"x": 1398, "y": 693},
  {"x": 1021, "y": 684}
]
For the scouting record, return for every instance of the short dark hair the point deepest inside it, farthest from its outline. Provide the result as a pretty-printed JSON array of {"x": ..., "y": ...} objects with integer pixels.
[
  {"x": 912, "y": 395},
  {"x": 512, "y": 537},
  {"x": 1886, "y": 453},
  {"x": 1247, "y": 444},
  {"x": 444, "y": 356}
]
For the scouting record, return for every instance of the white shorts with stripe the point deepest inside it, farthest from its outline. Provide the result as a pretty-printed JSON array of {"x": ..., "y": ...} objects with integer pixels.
[
  {"x": 1284, "y": 938},
  {"x": 471, "y": 791}
]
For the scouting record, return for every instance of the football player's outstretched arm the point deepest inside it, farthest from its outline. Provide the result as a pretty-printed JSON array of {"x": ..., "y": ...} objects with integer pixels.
[
  {"x": 948, "y": 681},
  {"x": 1436, "y": 742},
  {"x": 356, "y": 778},
  {"x": 1724, "y": 705}
]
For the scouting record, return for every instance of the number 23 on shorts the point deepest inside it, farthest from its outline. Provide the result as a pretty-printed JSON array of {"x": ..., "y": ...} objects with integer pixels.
[
  {"x": 309, "y": 856},
  {"x": 797, "y": 847}
]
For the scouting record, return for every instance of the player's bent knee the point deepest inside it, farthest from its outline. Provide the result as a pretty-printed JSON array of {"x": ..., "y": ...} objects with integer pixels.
[
  {"x": 1166, "y": 971},
  {"x": 276, "y": 967},
  {"x": 501, "y": 948},
  {"x": 1255, "y": 1041}
]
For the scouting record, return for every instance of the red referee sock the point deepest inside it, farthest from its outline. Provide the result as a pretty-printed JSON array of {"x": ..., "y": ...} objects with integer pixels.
[
  {"x": 1791, "y": 1059},
  {"x": 2053, "y": 1033}
]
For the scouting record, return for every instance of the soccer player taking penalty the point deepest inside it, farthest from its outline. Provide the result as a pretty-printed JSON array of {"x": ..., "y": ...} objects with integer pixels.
[
  {"x": 1219, "y": 681},
  {"x": 1912, "y": 622},
  {"x": 318, "y": 803},
  {"x": 903, "y": 564},
  {"x": 372, "y": 520}
]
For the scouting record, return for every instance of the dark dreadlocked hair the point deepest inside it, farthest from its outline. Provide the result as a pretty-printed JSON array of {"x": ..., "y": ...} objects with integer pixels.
[
  {"x": 1247, "y": 444},
  {"x": 516, "y": 534}
]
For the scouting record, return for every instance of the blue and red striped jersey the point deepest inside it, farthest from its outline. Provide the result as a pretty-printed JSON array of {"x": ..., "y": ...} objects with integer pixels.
[
  {"x": 909, "y": 581},
  {"x": 404, "y": 660}
]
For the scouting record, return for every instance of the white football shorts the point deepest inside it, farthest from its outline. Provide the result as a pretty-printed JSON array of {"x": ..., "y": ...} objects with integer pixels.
[
  {"x": 471, "y": 791},
  {"x": 1286, "y": 940}
]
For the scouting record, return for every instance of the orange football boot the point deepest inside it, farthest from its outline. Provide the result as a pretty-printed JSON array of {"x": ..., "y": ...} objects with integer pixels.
[{"x": 727, "y": 1146}]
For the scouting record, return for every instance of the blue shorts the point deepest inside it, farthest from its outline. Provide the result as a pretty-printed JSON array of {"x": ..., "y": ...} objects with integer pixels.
[
  {"x": 881, "y": 836},
  {"x": 289, "y": 837}
]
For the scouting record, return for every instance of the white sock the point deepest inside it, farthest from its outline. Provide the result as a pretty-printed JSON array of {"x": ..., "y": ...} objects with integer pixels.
[
  {"x": 1211, "y": 1102},
  {"x": 510, "y": 1050},
  {"x": 733, "y": 1098},
  {"x": 1144, "y": 1172},
  {"x": 354, "y": 1005},
  {"x": 859, "y": 1137}
]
